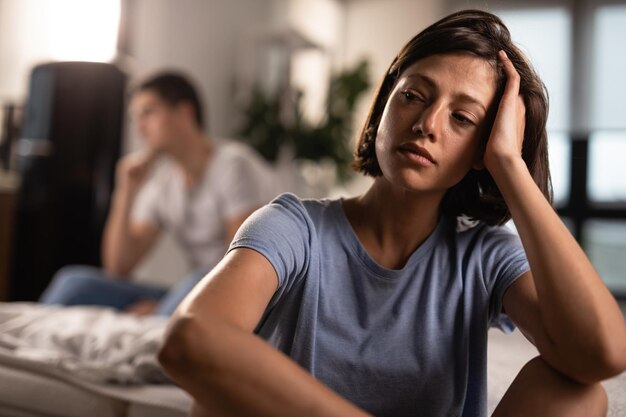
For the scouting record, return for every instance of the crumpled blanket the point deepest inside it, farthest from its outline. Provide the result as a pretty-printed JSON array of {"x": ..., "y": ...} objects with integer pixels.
[{"x": 92, "y": 343}]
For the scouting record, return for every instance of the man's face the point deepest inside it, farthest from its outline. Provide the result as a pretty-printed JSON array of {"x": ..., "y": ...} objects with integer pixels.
[{"x": 156, "y": 121}]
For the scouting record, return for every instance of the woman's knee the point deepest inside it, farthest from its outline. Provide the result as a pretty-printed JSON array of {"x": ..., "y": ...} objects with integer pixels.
[
  {"x": 591, "y": 398},
  {"x": 539, "y": 389}
]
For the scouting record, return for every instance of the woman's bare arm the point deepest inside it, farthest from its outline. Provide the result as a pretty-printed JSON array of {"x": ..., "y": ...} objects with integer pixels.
[
  {"x": 563, "y": 305},
  {"x": 212, "y": 353}
]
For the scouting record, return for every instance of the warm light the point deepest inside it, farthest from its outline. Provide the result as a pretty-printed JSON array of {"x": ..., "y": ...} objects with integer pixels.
[
  {"x": 36, "y": 31},
  {"x": 83, "y": 30}
]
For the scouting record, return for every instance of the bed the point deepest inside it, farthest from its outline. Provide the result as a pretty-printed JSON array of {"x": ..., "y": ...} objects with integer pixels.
[
  {"x": 83, "y": 361},
  {"x": 28, "y": 392},
  {"x": 96, "y": 362}
]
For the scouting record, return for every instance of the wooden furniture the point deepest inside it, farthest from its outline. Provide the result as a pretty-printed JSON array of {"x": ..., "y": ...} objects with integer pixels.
[{"x": 9, "y": 188}]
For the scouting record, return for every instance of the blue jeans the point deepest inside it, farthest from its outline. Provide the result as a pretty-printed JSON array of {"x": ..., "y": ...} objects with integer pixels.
[{"x": 88, "y": 285}]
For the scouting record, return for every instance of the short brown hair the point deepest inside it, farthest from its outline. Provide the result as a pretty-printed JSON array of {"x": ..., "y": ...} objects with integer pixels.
[
  {"x": 174, "y": 88},
  {"x": 481, "y": 34}
]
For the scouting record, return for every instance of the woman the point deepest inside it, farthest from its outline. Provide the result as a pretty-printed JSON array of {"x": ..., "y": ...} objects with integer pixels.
[{"x": 380, "y": 304}]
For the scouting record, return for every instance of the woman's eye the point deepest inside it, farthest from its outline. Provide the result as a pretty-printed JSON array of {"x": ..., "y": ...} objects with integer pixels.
[
  {"x": 462, "y": 119},
  {"x": 409, "y": 96}
]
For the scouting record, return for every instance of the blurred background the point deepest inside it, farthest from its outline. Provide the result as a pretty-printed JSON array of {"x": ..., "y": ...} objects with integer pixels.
[{"x": 293, "y": 78}]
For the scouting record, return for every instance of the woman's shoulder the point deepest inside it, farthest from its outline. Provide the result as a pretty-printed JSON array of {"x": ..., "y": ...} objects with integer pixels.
[
  {"x": 478, "y": 234},
  {"x": 311, "y": 208},
  {"x": 288, "y": 224}
]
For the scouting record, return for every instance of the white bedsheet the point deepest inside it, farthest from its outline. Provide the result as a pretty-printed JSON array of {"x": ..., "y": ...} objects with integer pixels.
[
  {"x": 90, "y": 347},
  {"x": 26, "y": 386},
  {"x": 94, "y": 344}
]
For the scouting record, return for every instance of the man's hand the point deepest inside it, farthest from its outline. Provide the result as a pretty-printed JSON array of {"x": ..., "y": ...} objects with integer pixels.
[
  {"x": 125, "y": 242},
  {"x": 133, "y": 169}
]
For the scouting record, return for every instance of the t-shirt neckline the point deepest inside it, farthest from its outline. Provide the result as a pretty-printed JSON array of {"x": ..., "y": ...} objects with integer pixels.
[{"x": 348, "y": 235}]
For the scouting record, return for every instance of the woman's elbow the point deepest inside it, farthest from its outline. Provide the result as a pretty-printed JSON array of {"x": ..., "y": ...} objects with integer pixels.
[
  {"x": 604, "y": 362},
  {"x": 177, "y": 351},
  {"x": 614, "y": 357}
]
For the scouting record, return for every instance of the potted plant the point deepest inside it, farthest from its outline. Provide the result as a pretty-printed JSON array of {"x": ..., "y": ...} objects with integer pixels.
[{"x": 275, "y": 126}]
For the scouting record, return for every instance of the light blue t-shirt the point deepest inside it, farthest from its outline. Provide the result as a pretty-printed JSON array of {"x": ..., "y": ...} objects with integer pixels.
[{"x": 407, "y": 342}]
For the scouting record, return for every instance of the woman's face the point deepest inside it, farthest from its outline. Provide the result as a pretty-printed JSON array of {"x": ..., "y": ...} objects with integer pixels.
[{"x": 431, "y": 128}]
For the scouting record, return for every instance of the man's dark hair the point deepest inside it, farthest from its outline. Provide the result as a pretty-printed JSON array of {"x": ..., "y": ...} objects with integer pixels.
[{"x": 174, "y": 88}]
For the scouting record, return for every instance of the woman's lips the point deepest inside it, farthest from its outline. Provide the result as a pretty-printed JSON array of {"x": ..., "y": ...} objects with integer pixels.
[{"x": 417, "y": 154}]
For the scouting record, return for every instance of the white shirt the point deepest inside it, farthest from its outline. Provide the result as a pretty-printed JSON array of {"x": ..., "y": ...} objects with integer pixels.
[{"x": 235, "y": 182}]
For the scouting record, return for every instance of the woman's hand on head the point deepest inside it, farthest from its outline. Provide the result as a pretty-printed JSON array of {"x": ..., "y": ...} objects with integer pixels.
[{"x": 507, "y": 134}]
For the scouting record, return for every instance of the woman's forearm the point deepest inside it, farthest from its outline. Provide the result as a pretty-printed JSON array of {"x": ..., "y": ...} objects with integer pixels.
[
  {"x": 579, "y": 313},
  {"x": 232, "y": 372}
]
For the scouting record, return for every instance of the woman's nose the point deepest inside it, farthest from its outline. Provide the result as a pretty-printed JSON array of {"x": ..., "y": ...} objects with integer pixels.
[{"x": 429, "y": 122}]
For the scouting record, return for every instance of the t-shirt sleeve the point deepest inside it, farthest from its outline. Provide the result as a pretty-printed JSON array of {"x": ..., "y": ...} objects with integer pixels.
[
  {"x": 504, "y": 260},
  {"x": 244, "y": 186},
  {"x": 281, "y": 232}
]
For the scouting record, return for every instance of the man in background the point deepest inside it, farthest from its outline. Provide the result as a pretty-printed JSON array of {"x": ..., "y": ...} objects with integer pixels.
[{"x": 183, "y": 181}]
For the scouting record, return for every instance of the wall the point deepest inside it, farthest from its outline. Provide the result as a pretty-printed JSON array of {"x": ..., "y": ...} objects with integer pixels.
[
  {"x": 376, "y": 30},
  {"x": 320, "y": 21},
  {"x": 199, "y": 37}
]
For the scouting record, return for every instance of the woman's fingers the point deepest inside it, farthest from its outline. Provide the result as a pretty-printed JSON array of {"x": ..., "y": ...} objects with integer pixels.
[
  {"x": 507, "y": 133},
  {"x": 521, "y": 120},
  {"x": 512, "y": 76}
]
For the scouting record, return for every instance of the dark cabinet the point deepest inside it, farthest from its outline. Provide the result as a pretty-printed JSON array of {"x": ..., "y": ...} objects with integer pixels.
[{"x": 69, "y": 144}]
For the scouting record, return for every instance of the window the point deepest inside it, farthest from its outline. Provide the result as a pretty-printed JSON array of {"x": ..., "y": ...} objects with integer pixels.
[
  {"x": 605, "y": 240},
  {"x": 607, "y": 171},
  {"x": 559, "y": 150},
  {"x": 82, "y": 30},
  {"x": 605, "y": 244},
  {"x": 609, "y": 66},
  {"x": 607, "y": 144}
]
